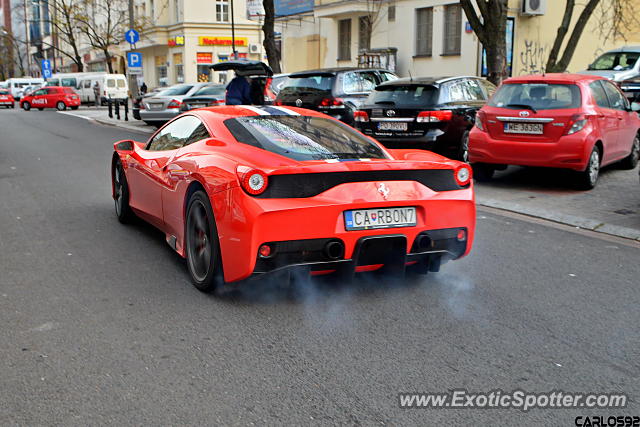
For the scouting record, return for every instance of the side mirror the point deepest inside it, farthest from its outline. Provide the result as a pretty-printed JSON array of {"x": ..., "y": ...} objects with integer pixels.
[
  {"x": 128, "y": 145},
  {"x": 635, "y": 106}
]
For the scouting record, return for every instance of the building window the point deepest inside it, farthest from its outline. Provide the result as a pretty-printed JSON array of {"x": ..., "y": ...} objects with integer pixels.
[
  {"x": 424, "y": 31},
  {"x": 364, "y": 33},
  {"x": 222, "y": 11},
  {"x": 452, "y": 29},
  {"x": 161, "y": 71},
  {"x": 391, "y": 13},
  {"x": 344, "y": 40},
  {"x": 179, "y": 67},
  {"x": 152, "y": 11}
]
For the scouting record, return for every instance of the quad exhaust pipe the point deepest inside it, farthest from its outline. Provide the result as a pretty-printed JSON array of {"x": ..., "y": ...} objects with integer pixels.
[{"x": 334, "y": 250}]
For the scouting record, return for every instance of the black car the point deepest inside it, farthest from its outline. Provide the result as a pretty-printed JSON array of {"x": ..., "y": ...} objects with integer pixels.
[
  {"x": 338, "y": 92},
  {"x": 432, "y": 113},
  {"x": 205, "y": 96}
]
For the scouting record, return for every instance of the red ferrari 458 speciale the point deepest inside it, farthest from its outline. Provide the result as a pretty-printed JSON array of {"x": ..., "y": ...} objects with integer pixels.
[{"x": 244, "y": 191}]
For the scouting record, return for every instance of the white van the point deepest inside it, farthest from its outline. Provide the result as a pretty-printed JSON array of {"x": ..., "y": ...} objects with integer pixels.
[
  {"x": 84, "y": 89},
  {"x": 69, "y": 79},
  {"x": 16, "y": 85},
  {"x": 114, "y": 86}
]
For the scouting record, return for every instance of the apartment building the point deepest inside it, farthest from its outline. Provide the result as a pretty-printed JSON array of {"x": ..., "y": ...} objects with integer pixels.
[{"x": 185, "y": 37}]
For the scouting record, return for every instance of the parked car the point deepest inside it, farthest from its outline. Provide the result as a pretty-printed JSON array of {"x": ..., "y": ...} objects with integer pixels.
[
  {"x": 430, "y": 113},
  {"x": 569, "y": 121},
  {"x": 620, "y": 66},
  {"x": 209, "y": 95},
  {"x": 51, "y": 97},
  {"x": 338, "y": 92},
  {"x": 165, "y": 105},
  {"x": 6, "y": 99},
  {"x": 243, "y": 192},
  {"x": 28, "y": 89},
  {"x": 136, "y": 103},
  {"x": 273, "y": 87}
]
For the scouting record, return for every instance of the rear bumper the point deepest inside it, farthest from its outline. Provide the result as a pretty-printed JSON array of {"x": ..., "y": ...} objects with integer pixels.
[
  {"x": 569, "y": 152},
  {"x": 387, "y": 253},
  {"x": 249, "y": 223}
]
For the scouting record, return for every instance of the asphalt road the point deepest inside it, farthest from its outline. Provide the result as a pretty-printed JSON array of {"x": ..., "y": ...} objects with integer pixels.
[{"x": 100, "y": 325}]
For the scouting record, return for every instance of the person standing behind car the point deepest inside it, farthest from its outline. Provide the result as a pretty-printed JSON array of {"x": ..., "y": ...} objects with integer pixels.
[
  {"x": 96, "y": 94},
  {"x": 238, "y": 91}
]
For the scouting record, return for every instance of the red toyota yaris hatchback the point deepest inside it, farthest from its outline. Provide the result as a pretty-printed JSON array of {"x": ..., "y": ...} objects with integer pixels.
[
  {"x": 569, "y": 121},
  {"x": 51, "y": 97}
]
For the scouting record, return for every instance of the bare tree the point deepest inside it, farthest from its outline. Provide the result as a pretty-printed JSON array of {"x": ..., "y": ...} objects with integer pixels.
[
  {"x": 370, "y": 20},
  {"x": 104, "y": 27},
  {"x": 269, "y": 43},
  {"x": 555, "y": 65},
  {"x": 490, "y": 26},
  {"x": 67, "y": 29}
]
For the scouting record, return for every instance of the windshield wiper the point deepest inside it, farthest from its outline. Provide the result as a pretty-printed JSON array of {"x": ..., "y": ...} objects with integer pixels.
[{"x": 528, "y": 107}]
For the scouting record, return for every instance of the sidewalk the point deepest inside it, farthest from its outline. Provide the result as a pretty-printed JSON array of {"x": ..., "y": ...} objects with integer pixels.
[
  {"x": 613, "y": 207},
  {"x": 101, "y": 115}
]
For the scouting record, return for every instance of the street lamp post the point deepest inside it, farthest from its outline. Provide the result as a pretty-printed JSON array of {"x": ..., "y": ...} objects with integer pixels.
[
  {"x": 26, "y": 36},
  {"x": 233, "y": 33}
]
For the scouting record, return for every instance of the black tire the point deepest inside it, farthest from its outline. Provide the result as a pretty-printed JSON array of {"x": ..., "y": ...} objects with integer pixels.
[
  {"x": 463, "y": 150},
  {"x": 483, "y": 172},
  {"x": 202, "y": 245},
  {"x": 631, "y": 161},
  {"x": 61, "y": 106},
  {"x": 74, "y": 108},
  {"x": 588, "y": 178},
  {"x": 26, "y": 106},
  {"x": 121, "y": 194}
]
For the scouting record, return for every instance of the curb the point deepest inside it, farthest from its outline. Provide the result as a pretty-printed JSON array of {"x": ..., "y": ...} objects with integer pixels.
[
  {"x": 574, "y": 221},
  {"x": 122, "y": 125}
]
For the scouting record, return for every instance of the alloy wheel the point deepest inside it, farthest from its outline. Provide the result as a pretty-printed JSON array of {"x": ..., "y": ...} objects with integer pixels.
[{"x": 199, "y": 242}]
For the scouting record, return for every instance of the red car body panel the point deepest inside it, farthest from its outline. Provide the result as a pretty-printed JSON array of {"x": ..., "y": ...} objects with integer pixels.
[
  {"x": 613, "y": 129},
  {"x": 54, "y": 95},
  {"x": 159, "y": 183}
]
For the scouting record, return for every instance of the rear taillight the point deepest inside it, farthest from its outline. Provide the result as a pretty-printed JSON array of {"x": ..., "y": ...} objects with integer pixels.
[
  {"x": 361, "y": 116},
  {"x": 332, "y": 102},
  {"x": 462, "y": 174},
  {"x": 253, "y": 181},
  {"x": 576, "y": 124},
  {"x": 141, "y": 105},
  {"x": 278, "y": 102},
  {"x": 479, "y": 122},
  {"x": 434, "y": 116},
  {"x": 174, "y": 104}
]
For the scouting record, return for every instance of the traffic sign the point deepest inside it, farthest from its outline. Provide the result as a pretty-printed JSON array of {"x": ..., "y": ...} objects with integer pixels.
[
  {"x": 46, "y": 68},
  {"x": 132, "y": 36},
  {"x": 134, "y": 59}
]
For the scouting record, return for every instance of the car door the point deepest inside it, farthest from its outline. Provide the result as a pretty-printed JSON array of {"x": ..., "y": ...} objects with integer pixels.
[
  {"x": 39, "y": 99},
  {"x": 148, "y": 174},
  {"x": 619, "y": 106},
  {"x": 607, "y": 119},
  {"x": 52, "y": 96},
  {"x": 627, "y": 121}
]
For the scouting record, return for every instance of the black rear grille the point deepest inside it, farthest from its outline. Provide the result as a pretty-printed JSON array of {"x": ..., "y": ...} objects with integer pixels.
[{"x": 312, "y": 184}]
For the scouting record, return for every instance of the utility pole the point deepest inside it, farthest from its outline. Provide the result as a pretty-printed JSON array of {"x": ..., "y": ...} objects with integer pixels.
[
  {"x": 26, "y": 36},
  {"x": 133, "y": 80},
  {"x": 233, "y": 33},
  {"x": 54, "y": 35}
]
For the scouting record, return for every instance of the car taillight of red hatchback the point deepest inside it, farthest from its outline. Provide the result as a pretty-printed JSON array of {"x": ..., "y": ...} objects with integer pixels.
[{"x": 569, "y": 121}]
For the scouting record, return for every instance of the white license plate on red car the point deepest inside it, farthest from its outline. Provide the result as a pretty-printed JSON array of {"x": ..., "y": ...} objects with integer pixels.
[
  {"x": 528, "y": 128},
  {"x": 367, "y": 219},
  {"x": 392, "y": 126}
]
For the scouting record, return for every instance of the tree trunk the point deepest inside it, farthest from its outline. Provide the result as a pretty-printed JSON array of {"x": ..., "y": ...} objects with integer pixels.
[
  {"x": 269, "y": 36},
  {"x": 496, "y": 61},
  {"x": 107, "y": 57}
]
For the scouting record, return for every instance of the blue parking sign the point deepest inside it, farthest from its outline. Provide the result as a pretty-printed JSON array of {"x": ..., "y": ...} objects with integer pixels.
[
  {"x": 46, "y": 68},
  {"x": 134, "y": 59}
]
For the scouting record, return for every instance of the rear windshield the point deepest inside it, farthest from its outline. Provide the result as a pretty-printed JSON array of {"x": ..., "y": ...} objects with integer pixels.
[
  {"x": 539, "y": 96},
  {"x": 304, "y": 138},
  {"x": 121, "y": 83},
  {"x": 404, "y": 95},
  {"x": 210, "y": 90},
  {"x": 176, "y": 90},
  {"x": 313, "y": 82},
  {"x": 615, "y": 61}
]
